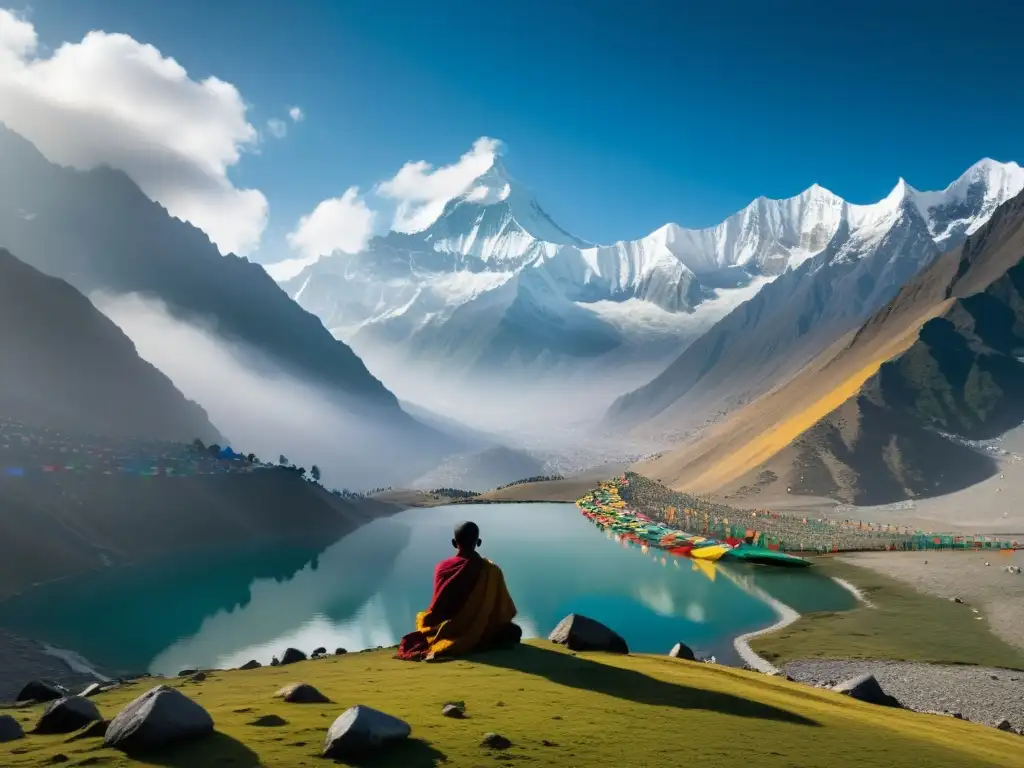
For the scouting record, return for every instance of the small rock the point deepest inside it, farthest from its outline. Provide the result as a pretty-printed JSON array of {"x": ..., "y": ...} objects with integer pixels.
[
  {"x": 301, "y": 693},
  {"x": 160, "y": 717},
  {"x": 187, "y": 672},
  {"x": 10, "y": 729},
  {"x": 1003, "y": 725},
  {"x": 495, "y": 741},
  {"x": 682, "y": 651},
  {"x": 956, "y": 600},
  {"x": 866, "y": 688},
  {"x": 42, "y": 690},
  {"x": 292, "y": 655},
  {"x": 453, "y": 710},
  {"x": 268, "y": 721},
  {"x": 547, "y": 743},
  {"x": 579, "y": 633},
  {"x": 340, "y": 651},
  {"x": 361, "y": 730},
  {"x": 58, "y": 758},
  {"x": 198, "y": 677},
  {"x": 252, "y": 664},
  {"x": 994, "y": 677},
  {"x": 94, "y": 730},
  {"x": 708, "y": 660},
  {"x": 91, "y": 690},
  {"x": 67, "y": 715},
  {"x": 319, "y": 651}
]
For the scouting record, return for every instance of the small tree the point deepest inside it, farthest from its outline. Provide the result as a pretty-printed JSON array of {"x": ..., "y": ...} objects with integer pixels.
[
  {"x": 213, "y": 449},
  {"x": 198, "y": 444},
  {"x": 251, "y": 458},
  {"x": 315, "y": 473},
  {"x": 302, "y": 471}
]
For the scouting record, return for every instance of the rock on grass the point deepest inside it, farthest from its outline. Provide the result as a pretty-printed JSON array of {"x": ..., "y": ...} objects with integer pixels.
[
  {"x": 67, "y": 715},
  {"x": 10, "y": 729},
  {"x": 362, "y": 731},
  {"x": 301, "y": 693},
  {"x": 495, "y": 741},
  {"x": 866, "y": 688},
  {"x": 292, "y": 655},
  {"x": 42, "y": 690},
  {"x": 580, "y": 633},
  {"x": 160, "y": 717}
]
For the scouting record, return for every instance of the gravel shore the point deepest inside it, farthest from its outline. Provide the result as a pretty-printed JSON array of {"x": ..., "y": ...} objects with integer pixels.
[
  {"x": 998, "y": 595},
  {"x": 979, "y": 694}
]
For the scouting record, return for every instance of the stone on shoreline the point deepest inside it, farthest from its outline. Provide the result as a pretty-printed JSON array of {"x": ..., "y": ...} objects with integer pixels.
[
  {"x": 251, "y": 664},
  {"x": 361, "y": 730},
  {"x": 866, "y": 688},
  {"x": 682, "y": 651},
  {"x": 292, "y": 655},
  {"x": 160, "y": 717},
  {"x": 42, "y": 690},
  {"x": 580, "y": 633}
]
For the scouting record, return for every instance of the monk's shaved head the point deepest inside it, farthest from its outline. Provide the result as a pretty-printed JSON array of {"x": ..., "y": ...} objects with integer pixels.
[{"x": 467, "y": 535}]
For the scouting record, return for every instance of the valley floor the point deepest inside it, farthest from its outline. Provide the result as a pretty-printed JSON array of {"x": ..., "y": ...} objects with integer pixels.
[{"x": 555, "y": 707}]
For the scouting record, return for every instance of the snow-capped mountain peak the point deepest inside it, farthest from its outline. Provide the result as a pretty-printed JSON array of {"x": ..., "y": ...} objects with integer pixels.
[
  {"x": 497, "y": 220},
  {"x": 966, "y": 204}
]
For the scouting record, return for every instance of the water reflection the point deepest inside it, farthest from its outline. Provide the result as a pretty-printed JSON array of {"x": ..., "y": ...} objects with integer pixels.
[{"x": 365, "y": 590}]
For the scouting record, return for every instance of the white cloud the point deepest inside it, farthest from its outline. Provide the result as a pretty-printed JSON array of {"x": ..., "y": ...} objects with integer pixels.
[
  {"x": 296, "y": 114},
  {"x": 422, "y": 190},
  {"x": 337, "y": 224},
  {"x": 110, "y": 99},
  {"x": 278, "y": 128}
]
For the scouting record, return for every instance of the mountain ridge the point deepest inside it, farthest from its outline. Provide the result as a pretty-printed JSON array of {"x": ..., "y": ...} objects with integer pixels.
[
  {"x": 68, "y": 367},
  {"x": 890, "y": 411}
]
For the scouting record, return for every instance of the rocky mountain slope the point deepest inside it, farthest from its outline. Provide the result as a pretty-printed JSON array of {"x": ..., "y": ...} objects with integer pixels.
[
  {"x": 868, "y": 257},
  {"x": 99, "y": 232},
  {"x": 66, "y": 366},
  {"x": 889, "y": 411}
]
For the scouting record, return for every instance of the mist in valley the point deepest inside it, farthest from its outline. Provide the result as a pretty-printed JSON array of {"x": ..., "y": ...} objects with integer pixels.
[{"x": 259, "y": 408}]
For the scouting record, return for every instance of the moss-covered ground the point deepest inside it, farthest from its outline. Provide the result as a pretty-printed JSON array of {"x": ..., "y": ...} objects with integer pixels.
[
  {"x": 558, "y": 709},
  {"x": 903, "y": 625}
]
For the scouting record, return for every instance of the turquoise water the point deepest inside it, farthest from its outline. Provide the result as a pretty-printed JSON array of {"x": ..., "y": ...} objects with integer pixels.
[{"x": 364, "y": 591}]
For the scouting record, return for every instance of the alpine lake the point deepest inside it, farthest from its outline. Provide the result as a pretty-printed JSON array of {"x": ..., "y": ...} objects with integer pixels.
[{"x": 363, "y": 591}]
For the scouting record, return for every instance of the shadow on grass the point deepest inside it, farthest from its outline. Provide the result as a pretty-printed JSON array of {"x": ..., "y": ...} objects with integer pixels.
[
  {"x": 218, "y": 749},
  {"x": 577, "y": 672},
  {"x": 410, "y": 753}
]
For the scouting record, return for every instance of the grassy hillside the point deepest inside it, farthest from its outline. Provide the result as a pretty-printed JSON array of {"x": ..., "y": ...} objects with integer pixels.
[{"x": 558, "y": 709}]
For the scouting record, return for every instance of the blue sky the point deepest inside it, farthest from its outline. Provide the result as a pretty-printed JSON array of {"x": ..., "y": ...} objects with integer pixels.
[{"x": 620, "y": 116}]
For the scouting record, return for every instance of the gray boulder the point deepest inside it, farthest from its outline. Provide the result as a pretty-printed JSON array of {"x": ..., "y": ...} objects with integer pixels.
[
  {"x": 160, "y": 717},
  {"x": 866, "y": 688},
  {"x": 91, "y": 690},
  {"x": 10, "y": 729},
  {"x": 454, "y": 711},
  {"x": 362, "y": 730},
  {"x": 340, "y": 651},
  {"x": 580, "y": 633},
  {"x": 292, "y": 655},
  {"x": 319, "y": 651},
  {"x": 42, "y": 690},
  {"x": 1003, "y": 725},
  {"x": 301, "y": 693},
  {"x": 495, "y": 741},
  {"x": 67, "y": 715},
  {"x": 253, "y": 664},
  {"x": 682, "y": 651}
]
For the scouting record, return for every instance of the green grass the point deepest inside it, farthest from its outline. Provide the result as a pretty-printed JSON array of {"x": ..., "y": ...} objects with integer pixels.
[
  {"x": 558, "y": 709},
  {"x": 905, "y": 625}
]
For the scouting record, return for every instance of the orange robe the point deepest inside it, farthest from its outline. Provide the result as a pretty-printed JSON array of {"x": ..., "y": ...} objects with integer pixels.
[{"x": 471, "y": 610}]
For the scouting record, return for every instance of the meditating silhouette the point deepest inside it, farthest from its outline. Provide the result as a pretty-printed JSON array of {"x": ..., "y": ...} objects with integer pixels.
[{"x": 471, "y": 609}]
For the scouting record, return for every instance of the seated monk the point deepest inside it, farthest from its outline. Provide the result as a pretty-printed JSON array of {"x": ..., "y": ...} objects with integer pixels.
[{"x": 471, "y": 609}]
